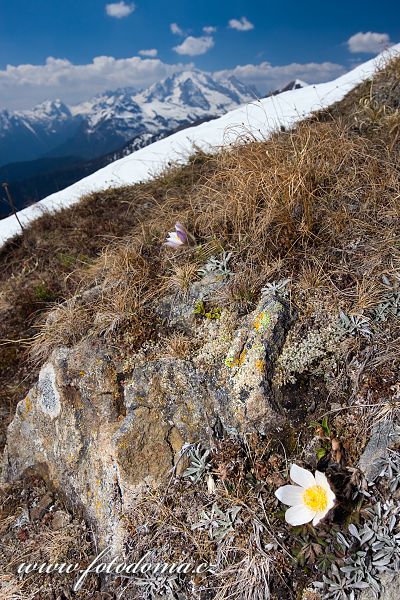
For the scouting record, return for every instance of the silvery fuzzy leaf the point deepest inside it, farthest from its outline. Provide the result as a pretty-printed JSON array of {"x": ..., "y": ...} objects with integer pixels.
[
  {"x": 360, "y": 585},
  {"x": 348, "y": 569},
  {"x": 373, "y": 583},
  {"x": 342, "y": 540},
  {"x": 386, "y": 281},
  {"x": 275, "y": 287},
  {"x": 218, "y": 266},
  {"x": 392, "y": 523},
  {"x": 335, "y": 569},
  {"x": 367, "y": 536},
  {"x": 381, "y": 563},
  {"x": 354, "y": 531}
]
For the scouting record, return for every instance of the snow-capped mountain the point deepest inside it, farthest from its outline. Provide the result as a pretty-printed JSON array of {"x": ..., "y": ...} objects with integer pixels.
[
  {"x": 28, "y": 134},
  {"x": 109, "y": 120},
  {"x": 296, "y": 84}
]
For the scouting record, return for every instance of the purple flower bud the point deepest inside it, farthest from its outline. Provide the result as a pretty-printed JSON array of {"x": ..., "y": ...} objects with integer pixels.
[{"x": 177, "y": 238}]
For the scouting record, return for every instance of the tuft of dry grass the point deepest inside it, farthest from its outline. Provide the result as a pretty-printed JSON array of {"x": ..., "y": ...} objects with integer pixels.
[
  {"x": 182, "y": 277},
  {"x": 177, "y": 345}
]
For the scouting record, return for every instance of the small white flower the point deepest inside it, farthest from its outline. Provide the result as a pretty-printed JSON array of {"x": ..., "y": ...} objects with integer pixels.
[
  {"x": 310, "y": 500},
  {"x": 211, "y": 484}
]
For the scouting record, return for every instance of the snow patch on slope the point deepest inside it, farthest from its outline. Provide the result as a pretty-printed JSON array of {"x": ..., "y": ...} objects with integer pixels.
[{"x": 257, "y": 119}]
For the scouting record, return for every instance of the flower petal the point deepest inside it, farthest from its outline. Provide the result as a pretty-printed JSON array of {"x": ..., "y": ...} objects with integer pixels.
[
  {"x": 290, "y": 494},
  {"x": 319, "y": 516},
  {"x": 322, "y": 481},
  {"x": 301, "y": 476},
  {"x": 181, "y": 232},
  {"x": 298, "y": 515},
  {"x": 173, "y": 241}
]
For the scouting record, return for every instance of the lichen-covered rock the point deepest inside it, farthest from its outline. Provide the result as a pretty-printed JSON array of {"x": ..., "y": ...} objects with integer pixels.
[
  {"x": 177, "y": 310},
  {"x": 390, "y": 588},
  {"x": 251, "y": 361},
  {"x": 102, "y": 436},
  {"x": 385, "y": 435}
]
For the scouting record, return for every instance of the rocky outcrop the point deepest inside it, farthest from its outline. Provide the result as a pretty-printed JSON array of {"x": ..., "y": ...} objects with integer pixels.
[
  {"x": 101, "y": 436},
  {"x": 390, "y": 588},
  {"x": 385, "y": 435}
]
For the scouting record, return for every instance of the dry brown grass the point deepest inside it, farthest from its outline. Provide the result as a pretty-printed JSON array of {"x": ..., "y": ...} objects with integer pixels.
[
  {"x": 177, "y": 345},
  {"x": 321, "y": 202},
  {"x": 27, "y": 538},
  {"x": 43, "y": 268}
]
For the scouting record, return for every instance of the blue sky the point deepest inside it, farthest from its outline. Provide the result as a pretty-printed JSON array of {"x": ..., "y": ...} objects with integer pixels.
[{"x": 50, "y": 45}]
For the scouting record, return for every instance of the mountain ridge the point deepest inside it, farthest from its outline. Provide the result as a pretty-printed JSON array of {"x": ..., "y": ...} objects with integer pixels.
[{"x": 105, "y": 122}]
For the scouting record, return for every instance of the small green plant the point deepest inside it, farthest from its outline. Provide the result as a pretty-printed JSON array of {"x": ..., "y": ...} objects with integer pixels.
[
  {"x": 276, "y": 288},
  {"x": 42, "y": 293},
  {"x": 390, "y": 305},
  {"x": 311, "y": 549},
  {"x": 66, "y": 260},
  {"x": 391, "y": 470},
  {"x": 153, "y": 586},
  {"x": 324, "y": 431},
  {"x": 354, "y": 325},
  {"x": 213, "y": 313}
]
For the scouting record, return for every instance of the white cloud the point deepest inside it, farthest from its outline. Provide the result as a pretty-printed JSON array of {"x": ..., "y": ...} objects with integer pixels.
[
  {"x": 242, "y": 24},
  {"x": 119, "y": 10},
  {"x": 209, "y": 29},
  {"x": 194, "y": 46},
  {"x": 25, "y": 85},
  {"x": 369, "y": 42},
  {"x": 152, "y": 52},
  {"x": 176, "y": 30},
  {"x": 267, "y": 77}
]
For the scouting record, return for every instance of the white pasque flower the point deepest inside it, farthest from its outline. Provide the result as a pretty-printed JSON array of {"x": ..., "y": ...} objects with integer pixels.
[{"x": 310, "y": 500}]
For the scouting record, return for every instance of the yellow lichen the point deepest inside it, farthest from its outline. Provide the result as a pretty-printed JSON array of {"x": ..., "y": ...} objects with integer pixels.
[
  {"x": 262, "y": 321},
  {"x": 242, "y": 357},
  {"x": 231, "y": 361},
  {"x": 28, "y": 404}
]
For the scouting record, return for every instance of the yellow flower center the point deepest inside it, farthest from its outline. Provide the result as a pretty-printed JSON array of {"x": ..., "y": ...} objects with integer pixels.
[{"x": 316, "y": 498}]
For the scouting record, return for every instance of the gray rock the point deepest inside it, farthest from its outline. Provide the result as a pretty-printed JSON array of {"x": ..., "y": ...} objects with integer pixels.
[
  {"x": 384, "y": 435},
  {"x": 178, "y": 309},
  {"x": 103, "y": 437},
  {"x": 391, "y": 588}
]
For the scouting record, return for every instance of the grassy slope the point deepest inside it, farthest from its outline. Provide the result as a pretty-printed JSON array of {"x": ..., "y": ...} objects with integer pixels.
[
  {"x": 42, "y": 267},
  {"x": 319, "y": 204}
]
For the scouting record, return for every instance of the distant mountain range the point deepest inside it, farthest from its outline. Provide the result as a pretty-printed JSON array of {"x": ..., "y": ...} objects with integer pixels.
[
  {"x": 105, "y": 122},
  {"x": 53, "y": 145}
]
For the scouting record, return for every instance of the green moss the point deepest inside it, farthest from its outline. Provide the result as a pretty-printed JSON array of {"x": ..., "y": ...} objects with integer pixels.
[
  {"x": 69, "y": 260},
  {"x": 213, "y": 313},
  {"x": 42, "y": 293}
]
